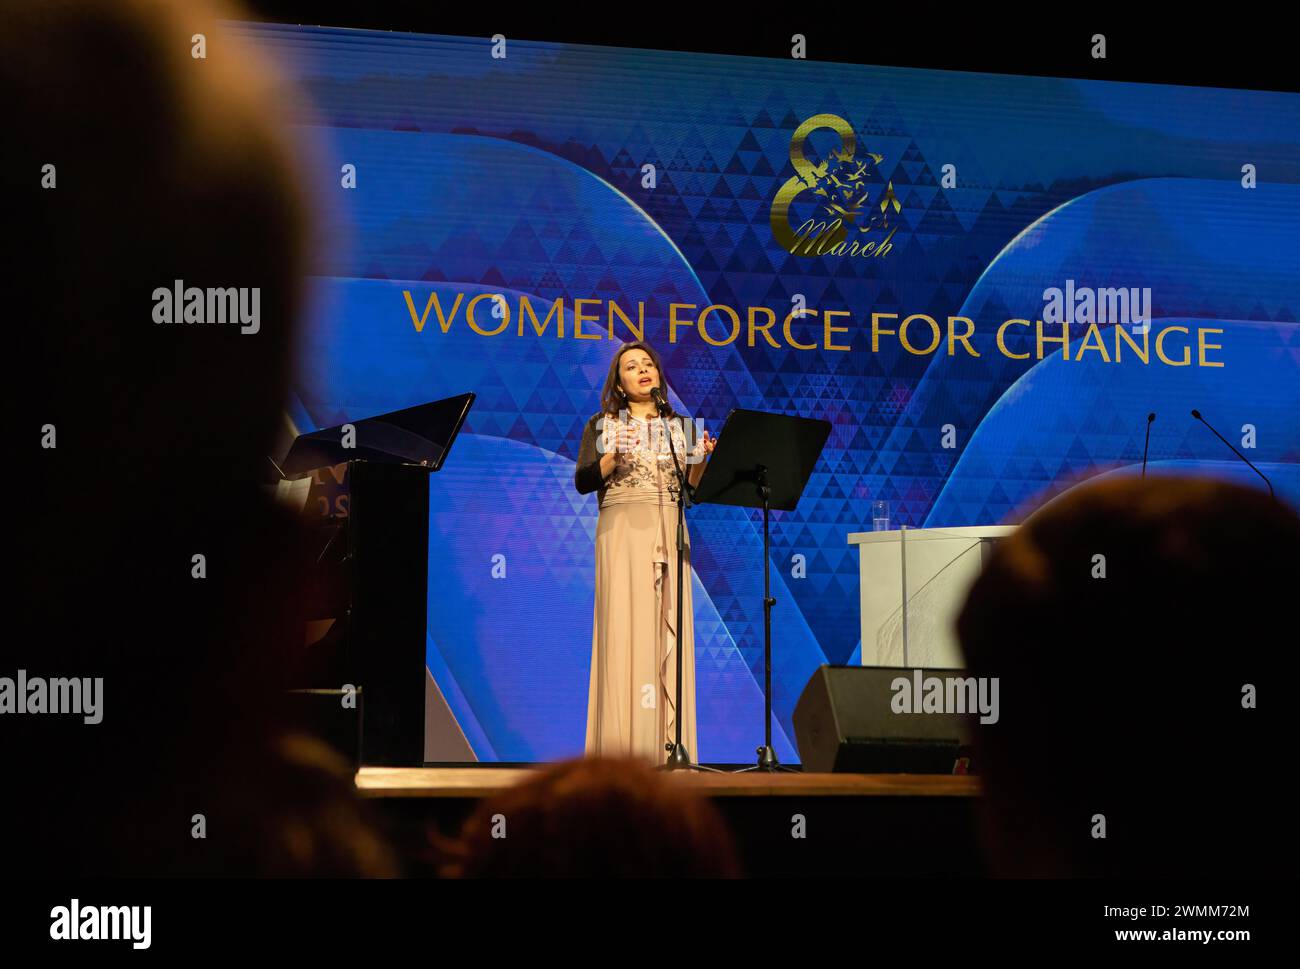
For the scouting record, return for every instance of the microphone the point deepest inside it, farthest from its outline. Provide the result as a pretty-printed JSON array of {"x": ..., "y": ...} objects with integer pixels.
[
  {"x": 1145, "y": 447},
  {"x": 657, "y": 396},
  {"x": 1197, "y": 415}
]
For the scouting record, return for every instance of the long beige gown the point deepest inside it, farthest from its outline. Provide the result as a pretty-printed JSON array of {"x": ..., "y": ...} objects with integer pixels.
[{"x": 631, "y": 702}]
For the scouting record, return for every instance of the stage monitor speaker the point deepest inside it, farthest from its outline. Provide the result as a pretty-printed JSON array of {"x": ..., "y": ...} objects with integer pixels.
[{"x": 845, "y": 723}]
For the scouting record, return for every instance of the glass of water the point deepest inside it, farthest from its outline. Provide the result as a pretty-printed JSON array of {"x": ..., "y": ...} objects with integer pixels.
[{"x": 880, "y": 516}]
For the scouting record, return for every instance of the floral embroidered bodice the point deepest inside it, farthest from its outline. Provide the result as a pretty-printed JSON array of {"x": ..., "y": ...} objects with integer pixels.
[
  {"x": 644, "y": 475},
  {"x": 647, "y": 473}
]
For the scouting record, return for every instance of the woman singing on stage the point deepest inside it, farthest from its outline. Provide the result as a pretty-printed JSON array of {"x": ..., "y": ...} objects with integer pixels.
[{"x": 625, "y": 458}]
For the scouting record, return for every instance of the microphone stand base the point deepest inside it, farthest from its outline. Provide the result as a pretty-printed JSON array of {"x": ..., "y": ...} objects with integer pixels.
[
  {"x": 680, "y": 759},
  {"x": 767, "y": 762}
]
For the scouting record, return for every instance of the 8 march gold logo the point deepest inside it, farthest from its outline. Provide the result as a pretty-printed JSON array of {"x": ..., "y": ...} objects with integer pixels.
[{"x": 841, "y": 188}]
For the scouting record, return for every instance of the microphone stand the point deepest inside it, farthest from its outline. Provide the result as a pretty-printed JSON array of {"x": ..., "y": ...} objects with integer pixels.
[
  {"x": 1147, "y": 445},
  {"x": 1197, "y": 414},
  {"x": 679, "y": 757}
]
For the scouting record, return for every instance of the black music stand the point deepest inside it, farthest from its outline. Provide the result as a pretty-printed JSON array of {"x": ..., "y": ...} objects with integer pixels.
[{"x": 763, "y": 461}]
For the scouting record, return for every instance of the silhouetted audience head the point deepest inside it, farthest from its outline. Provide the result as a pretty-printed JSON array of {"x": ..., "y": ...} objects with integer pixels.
[
  {"x": 280, "y": 807},
  {"x": 141, "y": 164},
  {"x": 595, "y": 817},
  {"x": 1134, "y": 627},
  {"x": 153, "y": 155}
]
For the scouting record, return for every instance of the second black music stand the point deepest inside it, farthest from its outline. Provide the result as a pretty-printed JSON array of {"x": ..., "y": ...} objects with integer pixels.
[{"x": 763, "y": 461}]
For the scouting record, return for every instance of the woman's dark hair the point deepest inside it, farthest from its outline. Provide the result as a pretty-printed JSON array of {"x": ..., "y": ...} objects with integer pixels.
[{"x": 611, "y": 396}]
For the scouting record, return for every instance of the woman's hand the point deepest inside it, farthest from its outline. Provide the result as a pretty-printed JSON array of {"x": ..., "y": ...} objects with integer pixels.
[
  {"x": 621, "y": 438},
  {"x": 627, "y": 439},
  {"x": 703, "y": 448}
]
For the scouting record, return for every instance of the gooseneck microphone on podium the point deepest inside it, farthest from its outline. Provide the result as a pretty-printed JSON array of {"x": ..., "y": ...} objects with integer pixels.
[
  {"x": 1147, "y": 446},
  {"x": 1197, "y": 415}
]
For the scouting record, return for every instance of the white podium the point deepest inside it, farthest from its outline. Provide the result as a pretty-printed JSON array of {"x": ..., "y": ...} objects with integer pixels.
[{"x": 912, "y": 584}]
